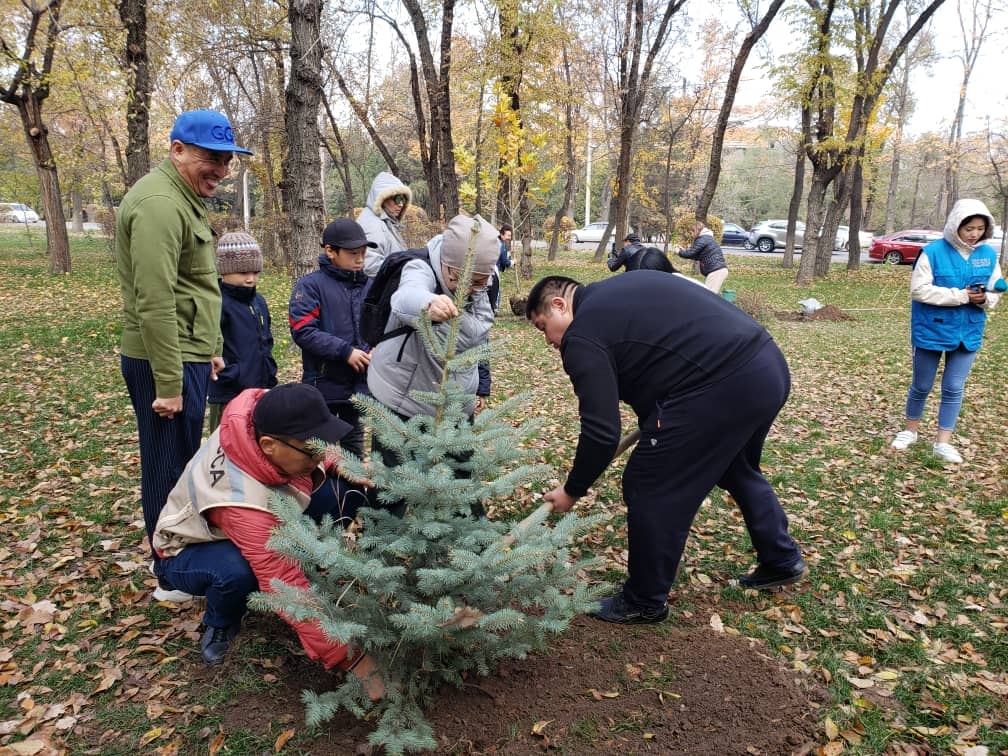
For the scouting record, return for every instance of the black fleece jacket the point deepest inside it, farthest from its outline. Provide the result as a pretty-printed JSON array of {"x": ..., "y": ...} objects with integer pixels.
[{"x": 640, "y": 338}]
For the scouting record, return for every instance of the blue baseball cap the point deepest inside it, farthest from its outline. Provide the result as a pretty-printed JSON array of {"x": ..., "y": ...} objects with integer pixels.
[{"x": 207, "y": 129}]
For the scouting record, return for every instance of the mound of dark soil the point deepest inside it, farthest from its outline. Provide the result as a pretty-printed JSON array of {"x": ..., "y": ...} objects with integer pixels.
[
  {"x": 828, "y": 312},
  {"x": 601, "y": 689}
]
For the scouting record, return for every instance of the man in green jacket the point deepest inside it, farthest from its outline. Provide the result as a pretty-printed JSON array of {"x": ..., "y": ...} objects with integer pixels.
[{"x": 171, "y": 341}]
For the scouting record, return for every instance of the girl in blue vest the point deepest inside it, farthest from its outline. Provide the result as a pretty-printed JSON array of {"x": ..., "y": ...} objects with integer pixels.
[{"x": 951, "y": 289}]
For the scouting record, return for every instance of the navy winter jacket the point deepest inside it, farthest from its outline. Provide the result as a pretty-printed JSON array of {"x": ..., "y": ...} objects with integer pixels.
[
  {"x": 248, "y": 344},
  {"x": 325, "y": 310}
]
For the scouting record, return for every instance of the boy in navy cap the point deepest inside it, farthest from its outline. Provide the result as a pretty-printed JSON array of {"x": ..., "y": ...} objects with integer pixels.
[{"x": 325, "y": 312}]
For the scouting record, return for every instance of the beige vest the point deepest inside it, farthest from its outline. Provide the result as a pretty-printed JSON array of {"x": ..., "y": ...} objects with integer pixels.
[{"x": 211, "y": 480}]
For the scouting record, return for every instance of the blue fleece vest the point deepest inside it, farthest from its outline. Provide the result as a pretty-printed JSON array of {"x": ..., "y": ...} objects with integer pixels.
[{"x": 943, "y": 329}]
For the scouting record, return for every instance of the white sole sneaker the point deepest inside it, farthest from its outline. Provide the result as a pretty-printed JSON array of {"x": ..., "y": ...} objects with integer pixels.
[
  {"x": 171, "y": 595},
  {"x": 903, "y": 439},
  {"x": 947, "y": 452}
]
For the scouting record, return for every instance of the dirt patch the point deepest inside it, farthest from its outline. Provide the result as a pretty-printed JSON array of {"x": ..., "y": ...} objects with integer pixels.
[
  {"x": 602, "y": 689},
  {"x": 828, "y": 312}
]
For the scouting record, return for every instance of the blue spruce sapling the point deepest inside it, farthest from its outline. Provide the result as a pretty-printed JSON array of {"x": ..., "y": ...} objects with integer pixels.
[{"x": 439, "y": 594}]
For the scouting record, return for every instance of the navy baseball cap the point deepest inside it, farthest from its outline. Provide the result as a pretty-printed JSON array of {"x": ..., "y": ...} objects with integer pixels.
[
  {"x": 345, "y": 233},
  {"x": 207, "y": 129},
  {"x": 297, "y": 410}
]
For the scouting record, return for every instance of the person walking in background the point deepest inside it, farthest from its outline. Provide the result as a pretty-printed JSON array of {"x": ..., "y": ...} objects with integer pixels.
[
  {"x": 706, "y": 382},
  {"x": 325, "y": 317},
  {"x": 171, "y": 339},
  {"x": 245, "y": 324},
  {"x": 707, "y": 252},
  {"x": 382, "y": 218},
  {"x": 951, "y": 290},
  {"x": 504, "y": 260}
]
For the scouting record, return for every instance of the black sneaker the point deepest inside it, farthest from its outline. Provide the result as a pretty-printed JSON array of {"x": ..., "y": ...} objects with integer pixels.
[
  {"x": 215, "y": 643},
  {"x": 616, "y": 609},
  {"x": 765, "y": 577}
]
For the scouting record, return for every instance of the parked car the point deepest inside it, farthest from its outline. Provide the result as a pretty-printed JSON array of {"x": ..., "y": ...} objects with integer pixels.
[
  {"x": 769, "y": 234},
  {"x": 15, "y": 212},
  {"x": 901, "y": 246},
  {"x": 734, "y": 235},
  {"x": 842, "y": 234},
  {"x": 591, "y": 233}
]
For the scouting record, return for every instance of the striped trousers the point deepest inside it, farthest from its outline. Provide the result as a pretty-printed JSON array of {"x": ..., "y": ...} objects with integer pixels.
[{"x": 165, "y": 445}]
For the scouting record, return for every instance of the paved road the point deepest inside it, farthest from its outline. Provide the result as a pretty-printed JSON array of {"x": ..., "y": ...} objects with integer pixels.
[{"x": 838, "y": 256}]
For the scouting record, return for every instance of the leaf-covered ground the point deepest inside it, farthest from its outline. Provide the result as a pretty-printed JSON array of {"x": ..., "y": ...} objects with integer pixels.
[{"x": 901, "y": 623}]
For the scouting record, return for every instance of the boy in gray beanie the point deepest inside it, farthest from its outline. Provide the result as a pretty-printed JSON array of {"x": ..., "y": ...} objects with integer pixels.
[{"x": 245, "y": 324}]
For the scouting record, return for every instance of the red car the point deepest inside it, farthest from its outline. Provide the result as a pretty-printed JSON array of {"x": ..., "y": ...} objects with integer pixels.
[{"x": 901, "y": 246}]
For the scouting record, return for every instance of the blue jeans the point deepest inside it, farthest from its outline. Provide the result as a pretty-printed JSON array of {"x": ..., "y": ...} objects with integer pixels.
[
  {"x": 216, "y": 570},
  {"x": 958, "y": 364}
]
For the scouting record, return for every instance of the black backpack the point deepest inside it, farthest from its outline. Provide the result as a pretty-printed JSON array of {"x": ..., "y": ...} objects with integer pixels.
[{"x": 378, "y": 303}]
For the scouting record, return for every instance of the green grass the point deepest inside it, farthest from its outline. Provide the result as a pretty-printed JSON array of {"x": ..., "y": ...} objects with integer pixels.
[{"x": 907, "y": 554}]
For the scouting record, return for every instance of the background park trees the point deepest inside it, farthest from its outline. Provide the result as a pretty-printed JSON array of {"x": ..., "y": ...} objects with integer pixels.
[{"x": 621, "y": 111}]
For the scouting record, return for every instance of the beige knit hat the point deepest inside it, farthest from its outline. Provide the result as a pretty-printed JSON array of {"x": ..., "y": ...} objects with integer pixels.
[
  {"x": 458, "y": 235},
  {"x": 238, "y": 252}
]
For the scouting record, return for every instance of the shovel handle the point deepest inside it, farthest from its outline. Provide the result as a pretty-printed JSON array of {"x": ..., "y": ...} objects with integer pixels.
[{"x": 546, "y": 507}]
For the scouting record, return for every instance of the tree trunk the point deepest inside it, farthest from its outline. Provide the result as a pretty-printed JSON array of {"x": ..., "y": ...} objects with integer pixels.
[
  {"x": 854, "y": 224},
  {"x": 797, "y": 189},
  {"x": 301, "y": 187},
  {"x": 717, "y": 143},
  {"x": 894, "y": 177},
  {"x": 813, "y": 220},
  {"x": 446, "y": 144},
  {"x": 341, "y": 160},
  {"x": 634, "y": 83},
  {"x": 570, "y": 165},
  {"x": 525, "y": 262},
  {"x": 133, "y": 14},
  {"x": 57, "y": 241}
]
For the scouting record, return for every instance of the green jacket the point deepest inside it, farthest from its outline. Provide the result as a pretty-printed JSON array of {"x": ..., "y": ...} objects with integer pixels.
[{"x": 165, "y": 264}]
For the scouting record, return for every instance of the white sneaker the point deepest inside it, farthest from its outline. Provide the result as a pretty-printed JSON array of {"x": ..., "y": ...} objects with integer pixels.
[
  {"x": 947, "y": 452},
  {"x": 165, "y": 592},
  {"x": 903, "y": 439}
]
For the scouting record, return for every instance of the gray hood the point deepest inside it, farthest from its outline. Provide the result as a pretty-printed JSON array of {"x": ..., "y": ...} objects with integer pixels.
[{"x": 386, "y": 185}]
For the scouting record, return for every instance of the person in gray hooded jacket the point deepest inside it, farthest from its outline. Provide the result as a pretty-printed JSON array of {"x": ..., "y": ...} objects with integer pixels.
[
  {"x": 381, "y": 219},
  {"x": 398, "y": 368}
]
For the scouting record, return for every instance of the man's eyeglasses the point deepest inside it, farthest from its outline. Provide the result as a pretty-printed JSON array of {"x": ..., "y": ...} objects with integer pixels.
[
  {"x": 477, "y": 284},
  {"x": 310, "y": 454}
]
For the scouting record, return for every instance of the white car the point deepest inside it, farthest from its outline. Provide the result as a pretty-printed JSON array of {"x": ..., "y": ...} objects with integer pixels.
[
  {"x": 15, "y": 212},
  {"x": 842, "y": 234},
  {"x": 591, "y": 233}
]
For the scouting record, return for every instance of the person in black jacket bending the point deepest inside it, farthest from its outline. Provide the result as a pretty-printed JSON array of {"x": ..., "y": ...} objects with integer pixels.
[
  {"x": 706, "y": 382},
  {"x": 635, "y": 256}
]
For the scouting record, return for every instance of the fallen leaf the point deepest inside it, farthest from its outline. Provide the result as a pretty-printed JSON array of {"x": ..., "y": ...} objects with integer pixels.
[
  {"x": 831, "y": 729},
  {"x": 216, "y": 744},
  {"x": 282, "y": 739},
  {"x": 540, "y": 726},
  {"x": 152, "y": 734},
  {"x": 716, "y": 624}
]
